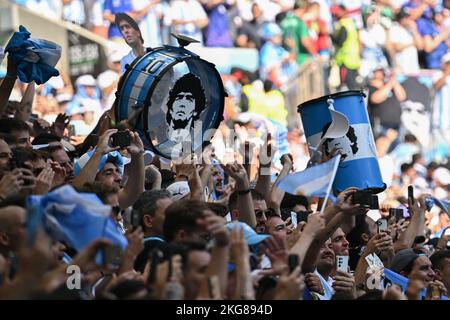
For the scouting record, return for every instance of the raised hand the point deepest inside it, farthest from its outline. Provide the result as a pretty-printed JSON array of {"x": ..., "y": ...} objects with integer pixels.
[
  {"x": 290, "y": 286},
  {"x": 277, "y": 253},
  {"x": 136, "y": 146},
  {"x": 344, "y": 286},
  {"x": 103, "y": 145},
  {"x": 59, "y": 126},
  {"x": 44, "y": 181}
]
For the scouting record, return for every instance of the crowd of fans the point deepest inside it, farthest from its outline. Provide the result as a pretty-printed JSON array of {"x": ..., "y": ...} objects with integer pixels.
[{"x": 222, "y": 229}]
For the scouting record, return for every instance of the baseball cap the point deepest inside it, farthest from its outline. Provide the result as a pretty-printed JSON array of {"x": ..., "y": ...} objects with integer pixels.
[
  {"x": 446, "y": 58},
  {"x": 403, "y": 258},
  {"x": 442, "y": 175},
  {"x": 179, "y": 190},
  {"x": 251, "y": 237},
  {"x": 86, "y": 80}
]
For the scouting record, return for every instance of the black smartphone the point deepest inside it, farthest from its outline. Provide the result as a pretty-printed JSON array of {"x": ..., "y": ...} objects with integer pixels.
[
  {"x": 112, "y": 255},
  {"x": 411, "y": 193},
  {"x": 365, "y": 199},
  {"x": 19, "y": 158},
  {"x": 302, "y": 216},
  {"x": 156, "y": 256},
  {"x": 397, "y": 213},
  {"x": 293, "y": 262},
  {"x": 121, "y": 139}
]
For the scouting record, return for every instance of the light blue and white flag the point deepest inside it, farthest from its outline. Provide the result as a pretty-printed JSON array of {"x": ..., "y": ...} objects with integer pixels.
[
  {"x": 313, "y": 181},
  {"x": 72, "y": 217},
  {"x": 443, "y": 204}
]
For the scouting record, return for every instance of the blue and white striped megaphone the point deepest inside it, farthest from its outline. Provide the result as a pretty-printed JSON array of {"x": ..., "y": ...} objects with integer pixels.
[{"x": 359, "y": 166}]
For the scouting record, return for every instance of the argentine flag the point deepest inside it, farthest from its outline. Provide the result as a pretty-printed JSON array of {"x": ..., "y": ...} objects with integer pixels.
[
  {"x": 313, "y": 181},
  {"x": 359, "y": 165}
]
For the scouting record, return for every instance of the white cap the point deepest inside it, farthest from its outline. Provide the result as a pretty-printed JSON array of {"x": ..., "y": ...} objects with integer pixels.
[
  {"x": 115, "y": 56},
  {"x": 179, "y": 190},
  {"x": 442, "y": 175},
  {"x": 86, "y": 80},
  {"x": 106, "y": 79}
]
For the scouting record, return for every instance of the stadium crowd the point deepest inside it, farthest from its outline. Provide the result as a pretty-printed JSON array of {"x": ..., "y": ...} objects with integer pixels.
[{"x": 223, "y": 229}]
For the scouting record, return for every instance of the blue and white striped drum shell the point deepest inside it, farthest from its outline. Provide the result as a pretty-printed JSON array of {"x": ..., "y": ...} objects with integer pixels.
[
  {"x": 359, "y": 165},
  {"x": 144, "y": 94}
]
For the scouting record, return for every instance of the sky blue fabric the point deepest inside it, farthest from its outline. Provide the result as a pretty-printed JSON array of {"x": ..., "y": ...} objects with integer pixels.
[
  {"x": 33, "y": 57},
  {"x": 76, "y": 218}
]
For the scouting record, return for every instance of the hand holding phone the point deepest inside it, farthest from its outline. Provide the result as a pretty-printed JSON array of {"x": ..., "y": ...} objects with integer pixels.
[
  {"x": 342, "y": 263},
  {"x": 293, "y": 262},
  {"x": 382, "y": 225},
  {"x": 411, "y": 194},
  {"x": 121, "y": 139}
]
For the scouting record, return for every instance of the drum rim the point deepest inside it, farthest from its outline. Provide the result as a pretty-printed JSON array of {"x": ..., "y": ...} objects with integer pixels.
[
  {"x": 144, "y": 114},
  {"x": 332, "y": 96}
]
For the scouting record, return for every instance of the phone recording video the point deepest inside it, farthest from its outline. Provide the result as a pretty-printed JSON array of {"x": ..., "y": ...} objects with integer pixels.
[
  {"x": 121, "y": 139},
  {"x": 293, "y": 262},
  {"x": 382, "y": 225}
]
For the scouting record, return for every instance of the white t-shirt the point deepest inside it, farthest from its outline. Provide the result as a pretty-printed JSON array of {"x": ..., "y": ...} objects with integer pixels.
[
  {"x": 187, "y": 10},
  {"x": 406, "y": 60},
  {"x": 327, "y": 287}
]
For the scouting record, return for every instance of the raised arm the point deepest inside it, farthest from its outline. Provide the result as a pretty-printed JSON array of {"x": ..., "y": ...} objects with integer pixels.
[
  {"x": 136, "y": 180},
  {"x": 26, "y": 103},
  {"x": 245, "y": 203},
  {"x": 7, "y": 85},
  {"x": 276, "y": 194},
  {"x": 89, "y": 171},
  {"x": 415, "y": 227}
]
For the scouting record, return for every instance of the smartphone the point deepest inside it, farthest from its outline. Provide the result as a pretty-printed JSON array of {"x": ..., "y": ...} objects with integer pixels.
[
  {"x": 134, "y": 219},
  {"x": 342, "y": 263},
  {"x": 411, "y": 193},
  {"x": 397, "y": 213},
  {"x": 214, "y": 287},
  {"x": 156, "y": 257},
  {"x": 294, "y": 219},
  {"x": 382, "y": 225},
  {"x": 366, "y": 199},
  {"x": 19, "y": 158},
  {"x": 113, "y": 255},
  {"x": 302, "y": 216},
  {"x": 293, "y": 262},
  {"x": 121, "y": 139},
  {"x": 72, "y": 131}
]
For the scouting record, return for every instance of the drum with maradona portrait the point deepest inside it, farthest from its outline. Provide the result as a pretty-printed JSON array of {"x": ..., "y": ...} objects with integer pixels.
[{"x": 173, "y": 98}]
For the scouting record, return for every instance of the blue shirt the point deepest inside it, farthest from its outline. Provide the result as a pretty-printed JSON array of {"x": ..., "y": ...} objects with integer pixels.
[
  {"x": 218, "y": 31},
  {"x": 427, "y": 27},
  {"x": 128, "y": 59},
  {"x": 114, "y": 7}
]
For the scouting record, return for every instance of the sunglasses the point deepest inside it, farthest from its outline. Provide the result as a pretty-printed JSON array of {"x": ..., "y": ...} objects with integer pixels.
[{"x": 267, "y": 213}]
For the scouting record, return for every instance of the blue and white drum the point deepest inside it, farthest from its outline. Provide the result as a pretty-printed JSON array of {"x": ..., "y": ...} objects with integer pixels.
[
  {"x": 174, "y": 99},
  {"x": 359, "y": 165}
]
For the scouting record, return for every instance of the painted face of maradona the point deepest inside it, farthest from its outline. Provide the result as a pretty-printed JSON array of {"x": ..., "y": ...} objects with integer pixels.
[
  {"x": 342, "y": 146},
  {"x": 183, "y": 107}
]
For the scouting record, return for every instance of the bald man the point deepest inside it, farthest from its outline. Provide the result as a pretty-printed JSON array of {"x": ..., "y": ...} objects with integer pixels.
[{"x": 12, "y": 229}]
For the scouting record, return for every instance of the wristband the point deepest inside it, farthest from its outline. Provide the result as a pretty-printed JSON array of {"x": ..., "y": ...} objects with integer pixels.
[
  {"x": 243, "y": 192},
  {"x": 8, "y": 76}
]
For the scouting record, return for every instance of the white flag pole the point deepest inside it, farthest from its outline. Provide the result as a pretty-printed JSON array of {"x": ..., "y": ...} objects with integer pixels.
[{"x": 333, "y": 175}]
